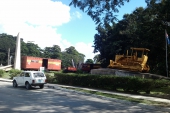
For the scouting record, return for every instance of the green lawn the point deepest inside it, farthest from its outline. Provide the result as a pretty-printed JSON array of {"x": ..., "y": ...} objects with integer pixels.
[
  {"x": 122, "y": 97},
  {"x": 6, "y": 75}
]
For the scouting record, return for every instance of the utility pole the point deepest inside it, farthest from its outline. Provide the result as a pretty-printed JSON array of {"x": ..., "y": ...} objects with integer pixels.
[
  {"x": 166, "y": 36},
  {"x": 8, "y": 56}
]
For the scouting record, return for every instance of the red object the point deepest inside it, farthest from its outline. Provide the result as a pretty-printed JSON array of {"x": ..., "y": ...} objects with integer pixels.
[
  {"x": 73, "y": 69},
  {"x": 85, "y": 67},
  {"x": 34, "y": 63},
  {"x": 31, "y": 63},
  {"x": 88, "y": 67},
  {"x": 52, "y": 64}
]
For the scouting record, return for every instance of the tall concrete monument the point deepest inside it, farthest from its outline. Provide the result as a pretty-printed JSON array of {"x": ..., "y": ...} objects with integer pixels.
[{"x": 17, "y": 60}]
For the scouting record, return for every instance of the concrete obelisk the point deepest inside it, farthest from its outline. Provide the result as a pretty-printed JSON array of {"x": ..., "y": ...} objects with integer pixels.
[{"x": 17, "y": 61}]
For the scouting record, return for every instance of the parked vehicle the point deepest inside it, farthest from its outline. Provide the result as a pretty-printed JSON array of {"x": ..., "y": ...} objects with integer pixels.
[
  {"x": 30, "y": 78},
  {"x": 88, "y": 67},
  {"x": 71, "y": 68},
  {"x": 136, "y": 61}
]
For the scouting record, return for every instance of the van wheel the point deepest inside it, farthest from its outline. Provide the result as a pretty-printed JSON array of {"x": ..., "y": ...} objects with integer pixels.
[
  {"x": 27, "y": 85},
  {"x": 41, "y": 86},
  {"x": 15, "y": 84}
]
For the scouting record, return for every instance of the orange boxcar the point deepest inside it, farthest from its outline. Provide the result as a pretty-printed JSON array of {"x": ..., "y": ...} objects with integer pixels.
[
  {"x": 31, "y": 63},
  {"x": 34, "y": 63},
  {"x": 52, "y": 64},
  {"x": 72, "y": 69}
]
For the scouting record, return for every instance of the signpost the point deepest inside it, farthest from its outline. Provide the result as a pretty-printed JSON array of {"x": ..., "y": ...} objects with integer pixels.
[
  {"x": 42, "y": 69},
  {"x": 166, "y": 24}
]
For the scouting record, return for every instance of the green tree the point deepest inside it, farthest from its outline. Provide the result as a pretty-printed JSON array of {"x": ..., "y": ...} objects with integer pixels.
[
  {"x": 52, "y": 52},
  {"x": 96, "y": 59},
  {"x": 104, "y": 11},
  {"x": 6, "y": 42},
  {"x": 71, "y": 54},
  {"x": 101, "y": 11},
  {"x": 31, "y": 49},
  {"x": 141, "y": 28},
  {"x": 89, "y": 61}
]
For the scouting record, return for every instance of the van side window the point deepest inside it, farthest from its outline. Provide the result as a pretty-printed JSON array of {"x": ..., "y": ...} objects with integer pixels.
[
  {"x": 22, "y": 74},
  {"x": 27, "y": 74}
]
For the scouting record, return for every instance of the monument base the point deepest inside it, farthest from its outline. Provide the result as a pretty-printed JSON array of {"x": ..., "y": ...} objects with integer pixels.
[{"x": 116, "y": 72}]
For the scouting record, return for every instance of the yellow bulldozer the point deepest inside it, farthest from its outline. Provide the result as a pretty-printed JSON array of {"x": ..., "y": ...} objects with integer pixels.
[{"x": 136, "y": 61}]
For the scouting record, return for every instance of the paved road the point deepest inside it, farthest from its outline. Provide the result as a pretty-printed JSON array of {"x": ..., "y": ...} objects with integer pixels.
[{"x": 16, "y": 100}]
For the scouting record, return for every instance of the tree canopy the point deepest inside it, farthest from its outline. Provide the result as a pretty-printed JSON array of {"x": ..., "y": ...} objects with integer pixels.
[
  {"x": 100, "y": 10},
  {"x": 31, "y": 49},
  {"x": 142, "y": 28},
  {"x": 104, "y": 11},
  {"x": 71, "y": 56},
  {"x": 89, "y": 61}
]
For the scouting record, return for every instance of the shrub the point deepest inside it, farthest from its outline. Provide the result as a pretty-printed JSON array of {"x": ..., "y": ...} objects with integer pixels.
[
  {"x": 1, "y": 72},
  {"x": 161, "y": 83},
  {"x": 14, "y": 72},
  {"x": 50, "y": 77},
  {"x": 134, "y": 84}
]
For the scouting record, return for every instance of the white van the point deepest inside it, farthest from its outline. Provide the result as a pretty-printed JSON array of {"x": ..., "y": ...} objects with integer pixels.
[{"x": 30, "y": 78}]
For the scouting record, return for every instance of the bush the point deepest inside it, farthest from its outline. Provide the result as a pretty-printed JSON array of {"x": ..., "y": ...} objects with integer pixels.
[
  {"x": 50, "y": 78},
  {"x": 1, "y": 72},
  {"x": 14, "y": 73},
  {"x": 134, "y": 84}
]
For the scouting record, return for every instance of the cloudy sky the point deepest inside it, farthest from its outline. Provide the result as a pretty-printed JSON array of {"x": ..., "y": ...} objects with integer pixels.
[{"x": 48, "y": 23}]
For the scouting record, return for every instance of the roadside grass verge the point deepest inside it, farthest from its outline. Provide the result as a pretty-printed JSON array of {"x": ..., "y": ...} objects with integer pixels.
[
  {"x": 148, "y": 102},
  {"x": 6, "y": 75},
  {"x": 163, "y": 92}
]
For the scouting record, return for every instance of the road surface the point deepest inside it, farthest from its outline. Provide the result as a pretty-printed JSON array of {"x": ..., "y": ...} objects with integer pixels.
[{"x": 47, "y": 100}]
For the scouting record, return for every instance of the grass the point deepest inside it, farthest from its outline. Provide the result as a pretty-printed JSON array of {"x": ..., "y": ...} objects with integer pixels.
[
  {"x": 163, "y": 92},
  {"x": 148, "y": 102},
  {"x": 6, "y": 76}
]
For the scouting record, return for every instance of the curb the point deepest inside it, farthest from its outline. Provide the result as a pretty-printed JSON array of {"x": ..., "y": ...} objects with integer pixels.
[{"x": 5, "y": 80}]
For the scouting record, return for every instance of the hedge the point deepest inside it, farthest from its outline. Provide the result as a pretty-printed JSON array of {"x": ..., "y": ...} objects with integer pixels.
[{"x": 109, "y": 82}]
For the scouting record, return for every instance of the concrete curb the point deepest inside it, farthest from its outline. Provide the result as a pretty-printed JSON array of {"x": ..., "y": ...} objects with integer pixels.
[{"x": 5, "y": 80}]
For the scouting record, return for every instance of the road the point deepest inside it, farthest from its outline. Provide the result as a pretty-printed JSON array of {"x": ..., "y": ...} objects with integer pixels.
[{"x": 19, "y": 100}]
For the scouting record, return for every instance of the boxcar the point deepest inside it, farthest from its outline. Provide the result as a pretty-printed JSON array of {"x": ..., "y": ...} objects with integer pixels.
[
  {"x": 34, "y": 63},
  {"x": 31, "y": 63},
  {"x": 88, "y": 67},
  {"x": 52, "y": 64}
]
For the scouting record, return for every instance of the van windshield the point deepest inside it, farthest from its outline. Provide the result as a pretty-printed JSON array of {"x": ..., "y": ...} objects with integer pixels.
[{"x": 38, "y": 75}]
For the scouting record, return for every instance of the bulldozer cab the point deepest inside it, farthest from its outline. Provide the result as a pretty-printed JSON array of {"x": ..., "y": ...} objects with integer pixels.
[{"x": 138, "y": 54}]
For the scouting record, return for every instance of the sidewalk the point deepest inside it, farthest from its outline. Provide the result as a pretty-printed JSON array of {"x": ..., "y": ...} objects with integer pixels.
[{"x": 56, "y": 86}]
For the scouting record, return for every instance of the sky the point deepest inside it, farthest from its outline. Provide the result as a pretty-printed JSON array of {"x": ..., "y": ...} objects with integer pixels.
[{"x": 54, "y": 22}]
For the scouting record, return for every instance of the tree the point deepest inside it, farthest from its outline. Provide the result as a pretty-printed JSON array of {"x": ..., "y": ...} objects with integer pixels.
[
  {"x": 53, "y": 52},
  {"x": 141, "y": 28},
  {"x": 101, "y": 11},
  {"x": 96, "y": 59},
  {"x": 89, "y": 61},
  {"x": 6, "y": 42},
  {"x": 71, "y": 54},
  {"x": 31, "y": 50}
]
